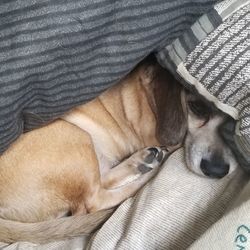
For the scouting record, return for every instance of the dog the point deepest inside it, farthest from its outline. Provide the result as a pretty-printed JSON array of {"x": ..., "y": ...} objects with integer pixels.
[{"x": 62, "y": 180}]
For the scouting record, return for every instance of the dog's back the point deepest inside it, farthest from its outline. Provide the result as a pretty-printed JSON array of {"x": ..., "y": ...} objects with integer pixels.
[
  {"x": 44, "y": 172},
  {"x": 59, "y": 168}
]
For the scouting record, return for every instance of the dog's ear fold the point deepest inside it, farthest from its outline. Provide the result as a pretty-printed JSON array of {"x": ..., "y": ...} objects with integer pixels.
[{"x": 171, "y": 118}]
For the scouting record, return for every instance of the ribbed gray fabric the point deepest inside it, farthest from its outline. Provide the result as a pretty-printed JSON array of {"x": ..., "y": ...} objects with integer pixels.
[
  {"x": 222, "y": 64},
  {"x": 57, "y": 54}
]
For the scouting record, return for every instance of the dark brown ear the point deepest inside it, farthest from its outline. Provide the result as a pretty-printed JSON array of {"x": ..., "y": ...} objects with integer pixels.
[{"x": 171, "y": 120}]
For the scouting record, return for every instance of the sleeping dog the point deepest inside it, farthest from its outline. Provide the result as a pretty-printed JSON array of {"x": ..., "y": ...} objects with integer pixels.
[{"x": 53, "y": 180}]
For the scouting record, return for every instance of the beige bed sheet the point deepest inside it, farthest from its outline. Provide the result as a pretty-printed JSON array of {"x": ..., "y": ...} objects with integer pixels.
[{"x": 176, "y": 210}]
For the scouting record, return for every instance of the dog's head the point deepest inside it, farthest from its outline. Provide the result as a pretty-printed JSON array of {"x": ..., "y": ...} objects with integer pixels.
[
  {"x": 185, "y": 117},
  {"x": 205, "y": 151}
]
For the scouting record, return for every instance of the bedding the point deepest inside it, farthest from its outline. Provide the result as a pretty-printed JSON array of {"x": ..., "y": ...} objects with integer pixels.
[
  {"x": 173, "y": 211},
  {"x": 55, "y": 56}
]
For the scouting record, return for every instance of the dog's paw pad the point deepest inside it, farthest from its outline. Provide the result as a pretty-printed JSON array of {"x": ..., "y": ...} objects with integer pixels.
[
  {"x": 151, "y": 158},
  {"x": 144, "y": 168},
  {"x": 155, "y": 154}
]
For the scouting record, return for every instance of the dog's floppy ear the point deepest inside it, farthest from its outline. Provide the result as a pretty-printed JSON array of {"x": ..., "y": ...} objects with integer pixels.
[{"x": 171, "y": 118}]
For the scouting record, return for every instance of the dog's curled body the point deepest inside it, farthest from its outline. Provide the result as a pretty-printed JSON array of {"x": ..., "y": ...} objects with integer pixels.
[
  {"x": 103, "y": 152},
  {"x": 76, "y": 164}
]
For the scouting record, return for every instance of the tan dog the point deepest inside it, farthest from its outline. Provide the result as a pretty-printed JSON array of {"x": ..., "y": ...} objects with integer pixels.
[{"x": 92, "y": 159}]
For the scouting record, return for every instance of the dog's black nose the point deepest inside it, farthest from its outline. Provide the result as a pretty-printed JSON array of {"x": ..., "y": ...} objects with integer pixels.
[{"x": 215, "y": 167}]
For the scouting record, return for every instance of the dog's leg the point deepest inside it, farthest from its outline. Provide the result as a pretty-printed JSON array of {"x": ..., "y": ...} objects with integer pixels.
[
  {"x": 133, "y": 167},
  {"x": 124, "y": 180}
]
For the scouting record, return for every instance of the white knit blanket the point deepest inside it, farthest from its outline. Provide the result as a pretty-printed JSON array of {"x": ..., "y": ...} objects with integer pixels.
[{"x": 176, "y": 210}]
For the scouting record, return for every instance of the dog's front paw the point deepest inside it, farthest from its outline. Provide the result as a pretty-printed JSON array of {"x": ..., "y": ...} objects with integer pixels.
[
  {"x": 151, "y": 158},
  {"x": 139, "y": 167}
]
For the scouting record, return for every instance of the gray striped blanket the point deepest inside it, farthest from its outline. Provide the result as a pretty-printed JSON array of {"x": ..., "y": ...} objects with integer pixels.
[{"x": 57, "y": 54}]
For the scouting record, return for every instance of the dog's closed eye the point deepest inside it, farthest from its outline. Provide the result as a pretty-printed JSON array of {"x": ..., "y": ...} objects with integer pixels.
[{"x": 200, "y": 109}]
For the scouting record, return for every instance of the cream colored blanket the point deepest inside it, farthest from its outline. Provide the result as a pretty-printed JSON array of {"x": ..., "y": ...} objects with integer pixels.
[{"x": 176, "y": 210}]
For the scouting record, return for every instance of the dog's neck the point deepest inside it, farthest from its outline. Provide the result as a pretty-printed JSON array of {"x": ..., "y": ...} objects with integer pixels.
[
  {"x": 148, "y": 101},
  {"x": 166, "y": 99}
]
